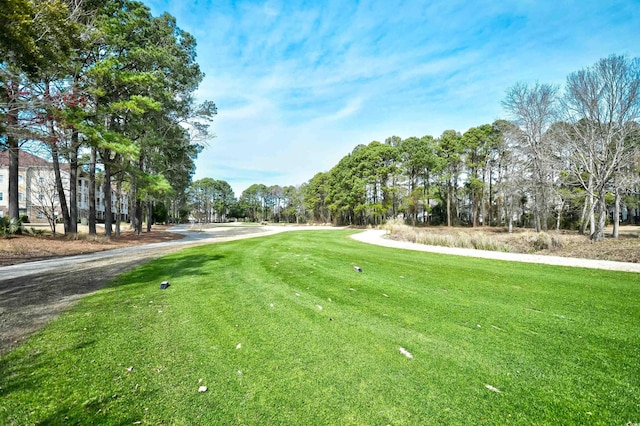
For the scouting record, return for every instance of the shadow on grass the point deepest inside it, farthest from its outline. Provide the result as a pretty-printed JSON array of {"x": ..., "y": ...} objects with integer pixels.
[
  {"x": 170, "y": 268},
  {"x": 23, "y": 379},
  {"x": 71, "y": 416},
  {"x": 20, "y": 376}
]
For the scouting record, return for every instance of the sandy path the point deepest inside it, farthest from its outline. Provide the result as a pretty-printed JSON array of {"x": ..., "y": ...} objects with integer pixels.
[{"x": 375, "y": 236}]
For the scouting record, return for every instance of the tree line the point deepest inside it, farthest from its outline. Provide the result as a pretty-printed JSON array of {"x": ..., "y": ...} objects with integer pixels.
[
  {"x": 107, "y": 89},
  {"x": 562, "y": 159}
]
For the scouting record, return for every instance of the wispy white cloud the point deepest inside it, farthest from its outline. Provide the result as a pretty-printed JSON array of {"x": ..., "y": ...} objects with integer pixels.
[
  {"x": 352, "y": 106},
  {"x": 298, "y": 84}
]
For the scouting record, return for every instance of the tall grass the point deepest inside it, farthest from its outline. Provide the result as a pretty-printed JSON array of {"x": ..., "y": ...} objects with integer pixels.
[
  {"x": 521, "y": 242},
  {"x": 399, "y": 230}
]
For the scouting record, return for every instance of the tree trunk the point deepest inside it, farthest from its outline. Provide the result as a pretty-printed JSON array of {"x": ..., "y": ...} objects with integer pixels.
[
  {"x": 616, "y": 214},
  {"x": 583, "y": 217},
  {"x": 544, "y": 216},
  {"x": 536, "y": 214},
  {"x": 507, "y": 210},
  {"x": 558, "y": 220},
  {"x": 118, "y": 202},
  {"x": 475, "y": 203},
  {"x": 490, "y": 210},
  {"x": 427, "y": 206},
  {"x": 601, "y": 214},
  {"x": 92, "y": 192},
  {"x": 134, "y": 205},
  {"x": 592, "y": 215},
  {"x": 59, "y": 187},
  {"x": 149, "y": 215},
  {"x": 449, "y": 203},
  {"x": 108, "y": 213},
  {"x": 14, "y": 150},
  {"x": 73, "y": 183},
  {"x": 139, "y": 215},
  {"x": 138, "y": 210},
  {"x": 474, "y": 209},
  {"x": 131, "y": 206}
]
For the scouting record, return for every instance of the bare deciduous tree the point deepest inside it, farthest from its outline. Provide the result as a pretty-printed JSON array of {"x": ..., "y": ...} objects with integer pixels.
[
  {"x": 602, "y": 106},
  {"x": 44, "y": 196},
  {"x": 533, "y": 110}
]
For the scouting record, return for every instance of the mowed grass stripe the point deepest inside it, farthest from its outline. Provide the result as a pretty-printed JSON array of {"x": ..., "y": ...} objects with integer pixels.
[{"x": 282, "y": 330}]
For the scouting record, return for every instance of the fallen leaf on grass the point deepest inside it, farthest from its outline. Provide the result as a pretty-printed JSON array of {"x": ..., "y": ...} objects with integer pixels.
[{"x": 491, "y": 388}]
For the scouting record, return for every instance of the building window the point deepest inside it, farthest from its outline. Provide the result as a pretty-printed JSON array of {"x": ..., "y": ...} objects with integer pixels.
[
  {"x": 41, "y": 179},
  {"x": 1, "y": 178},
  {"x": 40, "y": 197},
  {"x": 40, "y": 214},
  {"x": 19, "y": 178},
  {"x": 1, "y": 194},
  {"x": 20, "y": 196}
]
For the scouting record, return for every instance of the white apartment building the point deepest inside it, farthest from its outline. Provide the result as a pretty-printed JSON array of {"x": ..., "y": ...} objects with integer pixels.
[{"x": 37, "y": 194}]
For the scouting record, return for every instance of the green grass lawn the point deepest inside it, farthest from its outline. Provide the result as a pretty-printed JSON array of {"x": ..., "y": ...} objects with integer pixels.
[{"x": 282, "y": 330}]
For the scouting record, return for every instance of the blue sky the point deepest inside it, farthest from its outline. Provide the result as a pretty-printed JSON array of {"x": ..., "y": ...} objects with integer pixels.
[{"x": 299, "y": 84}]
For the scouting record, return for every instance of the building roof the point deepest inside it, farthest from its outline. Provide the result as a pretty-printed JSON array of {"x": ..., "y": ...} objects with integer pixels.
[{"x": 24, "y": 159}]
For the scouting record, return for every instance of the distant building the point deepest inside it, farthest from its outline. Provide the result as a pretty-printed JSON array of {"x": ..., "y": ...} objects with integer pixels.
[{"x": 37, "y": 194}]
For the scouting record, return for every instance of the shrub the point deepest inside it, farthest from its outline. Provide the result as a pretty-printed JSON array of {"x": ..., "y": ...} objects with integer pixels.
[
  {"x": 8, "y": 226},
  {"x": 36, "y": 232},
  {"x": 545, "y": 241}
]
